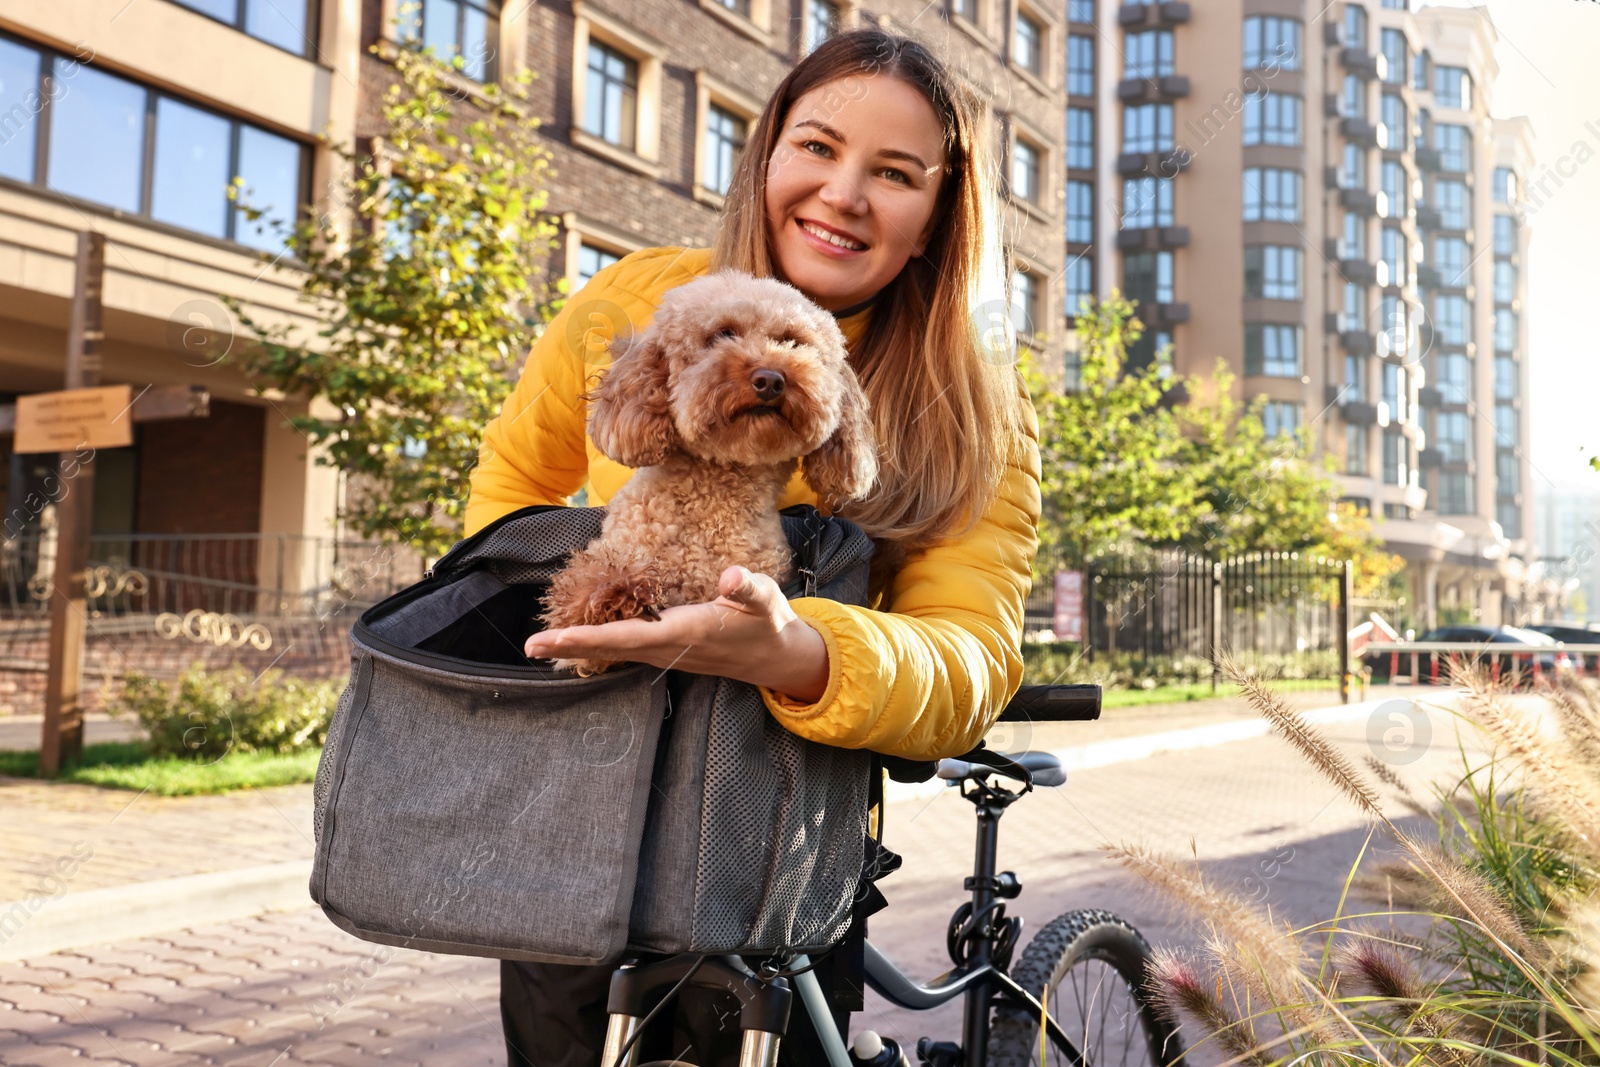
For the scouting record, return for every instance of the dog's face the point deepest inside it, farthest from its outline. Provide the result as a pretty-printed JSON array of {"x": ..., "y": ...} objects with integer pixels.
[{"x": 742, "y": 371}]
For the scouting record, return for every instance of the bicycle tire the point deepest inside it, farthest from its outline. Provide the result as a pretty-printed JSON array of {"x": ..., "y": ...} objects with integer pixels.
[{"x": 1080, "y": 940}]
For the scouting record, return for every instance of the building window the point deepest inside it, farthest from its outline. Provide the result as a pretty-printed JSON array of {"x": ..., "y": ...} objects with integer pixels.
[
  {"x": 1080, "y": 11},
  {"x": 1393, "y": 388},
  {"x": 1396, "y": 56},
  {"x": 1355, "y": 26},
  {"x": 592, "y": 261},
  {"x": 1080, "y": 212},
  {"x": 1027, "y": 44},
  {"x": 1354, "y": 314},
  {"x": 1422, "y": 71},
  {"x": 1148, "y": 54},
  {"x": 1272, "y": 194},
  {"x": 1272, "y": 350},
  {"x": 725, "y": 134},
  {"x": 1455, "y": 147},
  {"x": 1355, "y": 378},
  {"x": 1025, "y": 171},
  {"x": 1147, "y": 128},
  {"x": 738, "y": 7},
  {"x": 1395, "y": 259},
  {"x": 1452, "y": 87},
  {"x": 1505, "y": 282},
  {"x": 1355, "y": 449},
  {"x": 1080, "y": 138},
  {"x": 1395, "y": 455},
  {"x": 1507, "y": 473},
  {"x": 1353, "y": 241},
  {"x": 1395, "y": 187},
  {"x": 1271, "y": 41},
  {"x": 103, "y": 130},
  {"x": 1505, "y": 330},
  {"x": 1024, "y": 304},
  {"x": 1273, "y": 119},
  {"x": 1450, "y": 260},
  {"x": 1423, "y": 129},
  {"x": 1353, "y": 101},
  {"x": 1509, "y": 516},
  {"x": 967, "y": 9},
  {"x": 1455, "y": 497},
  {"x": 822, "y": 24},
  {"x": 1454, "y": 202},
  {"x": 1395, "y": 122},
  {"x": 611, "y": 97},
  {"x": 1452, "y": 319},
  {"x": 1146, "y": 202},
  {"x": 1451, "y": 430},
  {"x": 1353, "y": 174},
  {"x": 464, "y": 30},
  {"x": 1280, "y": 418},
  {"x": 1505, "y": 378},
  {"x": 1396, "y": 5},
  {"x": 1272, "y": 272},
  {"x": 1505, "y": 185},
  {"x": 1080, "y": 284},
  {"x": 1454, "y": 371},
  {"x": 1505, "y": 235},
  {"x": 1080, "y": 65},
  {"x": 1147, "y": 278},
  {"x": 1506, "y": 425},
  {"x": 289, "y": 26}
]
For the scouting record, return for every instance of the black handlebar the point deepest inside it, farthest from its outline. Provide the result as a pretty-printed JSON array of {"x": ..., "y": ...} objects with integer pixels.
[{"x": 1053, "y": 703}]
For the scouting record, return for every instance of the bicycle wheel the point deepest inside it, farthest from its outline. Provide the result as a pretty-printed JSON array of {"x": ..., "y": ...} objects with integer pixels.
[{"x": 1094, "y": 966}]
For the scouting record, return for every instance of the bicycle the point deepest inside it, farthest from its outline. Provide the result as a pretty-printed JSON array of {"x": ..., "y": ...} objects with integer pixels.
[{"x": 1089, "y": 952}]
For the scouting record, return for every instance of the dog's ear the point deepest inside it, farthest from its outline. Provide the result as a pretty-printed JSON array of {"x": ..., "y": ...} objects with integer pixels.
[
  {"x": 630, "y": 417},
  {"x": 845, "y": 466}
]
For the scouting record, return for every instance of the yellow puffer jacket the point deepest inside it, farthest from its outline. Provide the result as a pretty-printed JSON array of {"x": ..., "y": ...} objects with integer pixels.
[{"x": 922, "y": 675}]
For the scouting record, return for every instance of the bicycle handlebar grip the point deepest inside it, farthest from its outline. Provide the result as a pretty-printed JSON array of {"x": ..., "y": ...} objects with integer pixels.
[{"x": 1054, "y": 703}]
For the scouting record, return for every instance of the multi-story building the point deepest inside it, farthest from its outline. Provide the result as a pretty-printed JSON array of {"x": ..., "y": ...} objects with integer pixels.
[{"x": 1319, "y": 196}]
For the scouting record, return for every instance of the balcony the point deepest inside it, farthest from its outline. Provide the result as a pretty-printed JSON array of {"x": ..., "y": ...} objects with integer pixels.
[
  {"x": 1360, "y": 62},
  {"x": 1152, "y": 90},
  {"x": 1360, "y": 201},
  {"x": 1152, "y": 238},
  {"x": 1331, "y": 34},
  {"x": 1358, "y": 342},
  {"x": 1331, "y": 107},
  {"x": 1360, "y": 414},
  {"x": 1171, "y": 314},
  {"x": 1167, "y": 163},
  {"x": 1430, "y": 459},
  {"x": 1428, "y": 218},
  {"x": 1430, "y": 396},
  {"x": 1359, "y": 271},
  {"x": 1427, "y": 158},
  {"x": 1152, "y": 16},
  {"x": 1331, "y": 177},
  {"x": 1360, "y": 131}
]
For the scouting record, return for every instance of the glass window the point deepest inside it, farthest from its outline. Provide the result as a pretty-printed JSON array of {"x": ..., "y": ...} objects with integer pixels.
[
  {"x": 1395, "y": 122},
  {"x": 1147, "y": 128},
  {"x": 1080, "y": 10},
  {"x": 1505, "y": 235},
  {"x": 740, "y": 7},
  {"x": 20, "y": 103},
  {"x": 1355, "y": 378},
  {"x": 1423, "y": 128},
  {"x": 1272, "y": 194},
  {"x": 1505, "y": 185},
  {"x": 1280, "y": 417},
  {"x": 1506, "y": 425},
  {"x": 1353, "y": 174},
  {"x": 1355, "y": 449},
  {"x": 1080, "y": 284},
  {"x": 1455, "y": 146},
  {"x": 1454, "y": 202},
  {"x": 1393, "y": 389},
  {"x": 1455, "y": 495},
  {"x": 1452, "y": 319},
  {"x": 468, "y": 30},
  {"x": 1450, "y": 260},
  {"x": 1355, "y": 26},
  {"x": 1450, "y": 436},
  {"x": 1353, "y": 241},
  {"x": 1353, "y": 101},
  {"x": 1080, "y": 65},
  {"x": 1397, "y": 55},
  {"x": 1272, "y": 272},
  {"x": 1353, "y": 315},
  {"x": 1507, "y": 473},
  {"x": 270, "y": 172},
  {"x": 1505, "y": 282},
  {"x": 1396, "y": 450},
  {"x": 97, "y": 138},
  {"x": 1421, "y": 71},
  {"x": 1396, "y": 5},
  {"x": 1147, "y": 277},
  {"x": 1024, "y": 171},
  {"x": 1027, "y": 44},
  {"x": 1270, "y": 40},
  {"x": 191, "y": 167},
  {"x": 1080, "y": 138},
  {"x": 1024, "y": 303},
  {"x": 1505, "y": 378},
  {"x": 1146, "y": 202},
  {"x": 1452, "y": 87},
  {"x": 1148, "y": 54},
  {"x": 1273, "y": 119},
  {"x": 725, "y": 134},
  {"x": 278, "y": 22},
  {"x": 1505, "y": 330},
  {"x": 1080, "y": 212},
  {"x": 611, "y": 95},
  {"x": 592, "y": 261},
  {"x": 1509, "y": 516},
  {"x": 823, "y": 23},
  {"x": 1272, "y": 350},
  {"x": 1395, "y": 188},
  {"x": 1454, "y": 371},
  {"x": 1394, "y": 256}
]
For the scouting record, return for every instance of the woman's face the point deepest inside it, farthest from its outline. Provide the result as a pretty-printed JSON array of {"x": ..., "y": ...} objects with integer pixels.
[{"x": 860, "y": 158}]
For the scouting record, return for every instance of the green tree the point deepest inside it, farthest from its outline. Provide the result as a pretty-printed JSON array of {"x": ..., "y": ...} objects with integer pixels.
[{"x": 425, "y": 307}]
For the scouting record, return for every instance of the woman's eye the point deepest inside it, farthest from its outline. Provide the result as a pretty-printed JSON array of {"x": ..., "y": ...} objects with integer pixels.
[
  {"x": 809, "y": 145},
  {"x": 899, "y": 175}
]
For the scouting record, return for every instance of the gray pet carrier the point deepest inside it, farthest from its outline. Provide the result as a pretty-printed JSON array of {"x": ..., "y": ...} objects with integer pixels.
[{"x": 471, "y": 801}]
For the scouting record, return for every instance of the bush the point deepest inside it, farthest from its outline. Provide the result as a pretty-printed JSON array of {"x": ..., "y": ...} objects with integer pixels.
[
  {"x": 211, "y": 713},
  {"x": 1056, "y": 662}
]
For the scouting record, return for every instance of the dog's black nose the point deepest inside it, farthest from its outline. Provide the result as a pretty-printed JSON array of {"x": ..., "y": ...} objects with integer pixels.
[{"x": 768, "y": 384}]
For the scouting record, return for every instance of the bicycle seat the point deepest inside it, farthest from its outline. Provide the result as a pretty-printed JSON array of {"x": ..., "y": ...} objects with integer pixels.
[{"x": 1045, "y": 768}]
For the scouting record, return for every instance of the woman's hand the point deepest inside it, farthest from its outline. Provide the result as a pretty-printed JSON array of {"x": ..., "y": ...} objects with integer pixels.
[{"x": 749, "y": 633}]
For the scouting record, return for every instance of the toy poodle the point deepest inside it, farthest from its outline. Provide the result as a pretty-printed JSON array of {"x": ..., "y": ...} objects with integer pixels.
[{"x": 735, "y": 380}]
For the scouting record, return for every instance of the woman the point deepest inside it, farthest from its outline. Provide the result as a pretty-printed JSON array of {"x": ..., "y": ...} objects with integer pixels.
[{"x": 866, "y": 186}]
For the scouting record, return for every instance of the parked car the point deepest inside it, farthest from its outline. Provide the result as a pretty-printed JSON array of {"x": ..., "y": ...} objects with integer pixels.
[
  {"x": 1573, "y": 635},
  {"x": 1522, "y": 663}
]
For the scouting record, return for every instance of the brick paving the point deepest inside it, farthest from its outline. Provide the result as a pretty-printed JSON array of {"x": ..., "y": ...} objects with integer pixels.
[{"x": 289, "y": 988}]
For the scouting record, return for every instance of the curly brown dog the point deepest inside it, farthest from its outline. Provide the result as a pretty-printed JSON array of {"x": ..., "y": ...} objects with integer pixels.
[{"x": 736, "y": 379}]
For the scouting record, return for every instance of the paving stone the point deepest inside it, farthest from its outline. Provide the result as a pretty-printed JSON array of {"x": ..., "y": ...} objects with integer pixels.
[{"x": 43, "y": 1056}]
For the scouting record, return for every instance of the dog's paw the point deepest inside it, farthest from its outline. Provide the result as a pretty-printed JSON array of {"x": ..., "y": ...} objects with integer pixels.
[
  {"x": 584, "y": 668},
  {"x": 626, "y": 595}
]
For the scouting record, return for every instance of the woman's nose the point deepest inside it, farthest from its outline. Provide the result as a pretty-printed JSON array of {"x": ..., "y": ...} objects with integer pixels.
[{"x": 843, "y": 195}]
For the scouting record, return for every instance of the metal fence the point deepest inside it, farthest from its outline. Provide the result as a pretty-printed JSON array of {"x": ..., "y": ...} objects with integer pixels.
[
  {"x": 247, "y": 575},
  {"x": 1284, "y": 613}
]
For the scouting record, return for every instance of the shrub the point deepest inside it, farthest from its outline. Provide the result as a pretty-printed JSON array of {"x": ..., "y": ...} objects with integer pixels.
[
  {"x": 1056, "y": 662},
  {"x": 206, "y": 714}
]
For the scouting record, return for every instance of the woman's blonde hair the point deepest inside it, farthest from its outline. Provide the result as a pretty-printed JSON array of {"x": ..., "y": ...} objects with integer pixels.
[{"x": 944, "y": 414}]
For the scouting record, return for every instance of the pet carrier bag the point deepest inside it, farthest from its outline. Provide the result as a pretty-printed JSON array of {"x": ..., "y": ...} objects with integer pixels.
[{"x": 472, "y": 801}]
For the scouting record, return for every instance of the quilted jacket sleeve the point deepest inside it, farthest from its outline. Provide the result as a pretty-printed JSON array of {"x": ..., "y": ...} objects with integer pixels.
[{"x": 926, "y": 677}]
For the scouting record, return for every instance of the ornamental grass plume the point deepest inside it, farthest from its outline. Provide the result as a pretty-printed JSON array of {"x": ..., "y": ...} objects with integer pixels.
[{"x": 1181, "y": 993}]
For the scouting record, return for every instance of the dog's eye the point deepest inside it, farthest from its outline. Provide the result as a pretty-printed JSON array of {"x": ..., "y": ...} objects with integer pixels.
[
  {"x": 791, "y": 339},
  {"x": 727, "y": 333}
]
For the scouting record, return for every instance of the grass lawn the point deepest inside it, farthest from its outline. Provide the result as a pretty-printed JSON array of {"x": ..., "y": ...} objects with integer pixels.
[
  {"x": 1183, "y": 694},
  {"x": 127, "y": 765}
]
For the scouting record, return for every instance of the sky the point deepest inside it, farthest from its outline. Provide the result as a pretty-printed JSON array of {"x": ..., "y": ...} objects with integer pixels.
[{"x": 1549, "y": 55}]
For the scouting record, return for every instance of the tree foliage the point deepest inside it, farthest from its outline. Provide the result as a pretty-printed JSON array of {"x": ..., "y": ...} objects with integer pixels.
[
  {"x": 1147, "y": 457},
  {"x": 425, "y": 307}
]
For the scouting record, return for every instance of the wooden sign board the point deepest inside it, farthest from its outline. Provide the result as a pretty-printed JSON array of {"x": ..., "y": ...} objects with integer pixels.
[{"x": 73, "y": 419}]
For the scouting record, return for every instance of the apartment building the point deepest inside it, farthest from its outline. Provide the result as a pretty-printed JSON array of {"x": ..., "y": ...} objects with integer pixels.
[{"x": 1320, "y": 197}]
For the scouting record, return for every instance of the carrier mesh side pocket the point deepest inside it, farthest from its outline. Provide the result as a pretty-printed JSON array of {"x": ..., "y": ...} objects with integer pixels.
[{"x": 325, "y": 761}]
